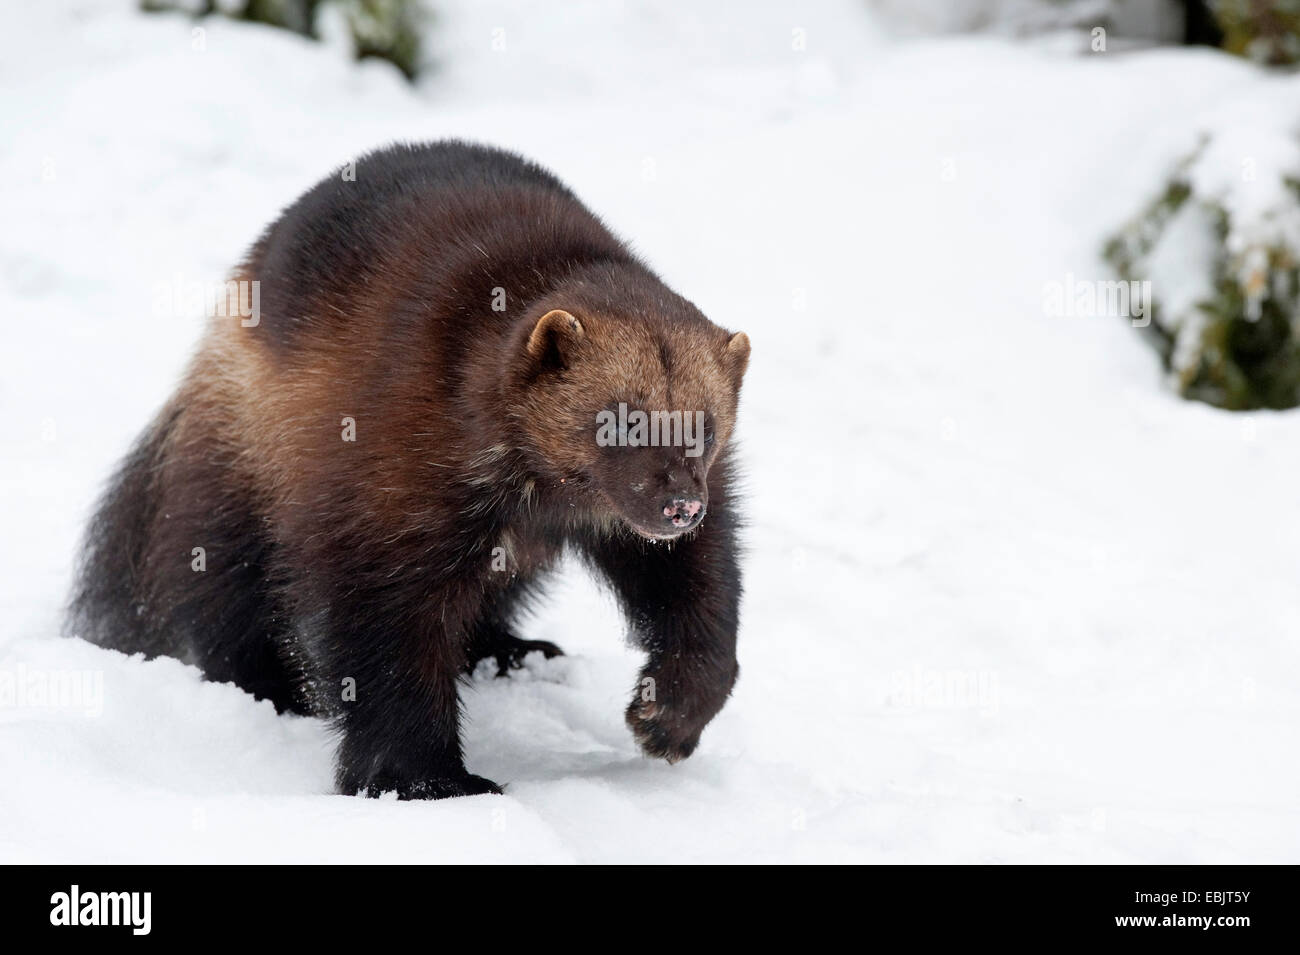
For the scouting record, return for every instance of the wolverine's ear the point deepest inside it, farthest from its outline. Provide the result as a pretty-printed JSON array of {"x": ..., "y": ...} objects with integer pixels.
[
  {"x": 555, "y": 337},
  {"x": 737, "y": 355}
]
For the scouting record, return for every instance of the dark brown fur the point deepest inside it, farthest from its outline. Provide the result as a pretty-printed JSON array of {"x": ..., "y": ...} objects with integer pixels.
[{"x": 377, "y": 560}]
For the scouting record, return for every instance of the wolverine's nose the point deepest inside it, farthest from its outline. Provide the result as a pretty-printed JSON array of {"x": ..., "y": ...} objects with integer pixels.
[{"x": 683, "y": 511}]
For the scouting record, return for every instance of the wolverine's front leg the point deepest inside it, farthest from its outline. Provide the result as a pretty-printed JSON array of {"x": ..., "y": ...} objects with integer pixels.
[
  {"x": 683, "y": 601},
  {"x": 386, "y": 661}
]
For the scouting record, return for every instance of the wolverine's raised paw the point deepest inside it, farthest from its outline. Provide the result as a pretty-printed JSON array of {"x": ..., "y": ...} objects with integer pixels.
[
  {"x": 438, "y": 788},
  {"x": 661, "y": 732}
]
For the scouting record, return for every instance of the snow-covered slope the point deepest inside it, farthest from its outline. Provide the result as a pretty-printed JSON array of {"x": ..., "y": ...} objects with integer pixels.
[{"x": 1008, "y": 598}]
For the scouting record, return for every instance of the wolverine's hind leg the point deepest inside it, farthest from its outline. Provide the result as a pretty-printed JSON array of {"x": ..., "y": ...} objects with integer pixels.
[
  {"x": 508, "y": 651},
  {"x": 228, "y": 613},
  {"x": 175, "y": 564},
  {"x": 493, "y": 638}
]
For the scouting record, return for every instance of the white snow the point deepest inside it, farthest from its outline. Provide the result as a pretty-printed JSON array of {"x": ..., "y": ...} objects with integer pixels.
[{"x": 1009, "y": 599}]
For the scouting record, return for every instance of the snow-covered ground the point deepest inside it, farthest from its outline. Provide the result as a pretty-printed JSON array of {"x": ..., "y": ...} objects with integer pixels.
[{"x": 1032, "y": 606}]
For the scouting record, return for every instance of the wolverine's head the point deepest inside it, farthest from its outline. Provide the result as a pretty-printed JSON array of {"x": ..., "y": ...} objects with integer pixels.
[{"x": 630, "y": 407}]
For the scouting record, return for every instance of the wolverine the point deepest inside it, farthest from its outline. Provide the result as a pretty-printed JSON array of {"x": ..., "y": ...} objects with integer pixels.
[{"x": 351, "y": 497}]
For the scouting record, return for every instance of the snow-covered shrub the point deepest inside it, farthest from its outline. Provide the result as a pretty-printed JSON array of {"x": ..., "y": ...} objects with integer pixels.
[
  {"x": 1267, "y": 31},
  {"x": 1151, "y": 19},
  {"x": 1220, "y": 245},
  {"x": 387, "y": 29}
]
